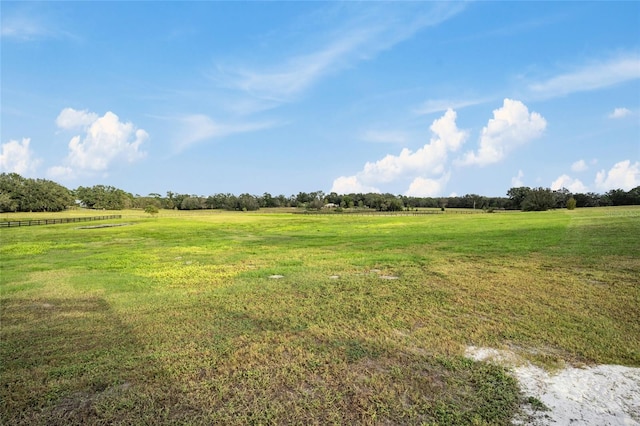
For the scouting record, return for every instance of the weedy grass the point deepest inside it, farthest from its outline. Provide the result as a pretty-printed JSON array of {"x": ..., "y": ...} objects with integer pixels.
[{"x": 174, "y": 319}]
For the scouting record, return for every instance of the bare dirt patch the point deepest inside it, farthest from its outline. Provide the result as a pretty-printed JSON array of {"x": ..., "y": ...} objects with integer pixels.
[{"x": 597, "y": 395}]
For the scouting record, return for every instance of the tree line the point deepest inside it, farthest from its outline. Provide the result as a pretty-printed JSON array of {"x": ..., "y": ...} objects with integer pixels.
[{"x": 20, "y": 194}]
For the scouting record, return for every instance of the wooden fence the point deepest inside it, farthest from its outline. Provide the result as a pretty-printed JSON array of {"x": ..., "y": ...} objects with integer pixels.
[
  {"x": 390, "y": 213},
  {"x": 371, "y": 213},
  {"x": 11, "y": 224}
]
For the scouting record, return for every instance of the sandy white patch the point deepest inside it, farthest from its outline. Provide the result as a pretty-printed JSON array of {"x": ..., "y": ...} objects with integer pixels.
[
  {"x": 600, "y": 395},
  {"x": 276, "y": 277}
]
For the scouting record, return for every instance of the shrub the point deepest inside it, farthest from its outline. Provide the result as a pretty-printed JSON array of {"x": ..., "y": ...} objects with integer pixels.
[
  {"x": 571, "y": 203},
  {"x": 151, "y": 209}
]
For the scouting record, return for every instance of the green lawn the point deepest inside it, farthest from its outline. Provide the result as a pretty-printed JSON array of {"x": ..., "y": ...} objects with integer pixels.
[{"x": 175, "y": 319}]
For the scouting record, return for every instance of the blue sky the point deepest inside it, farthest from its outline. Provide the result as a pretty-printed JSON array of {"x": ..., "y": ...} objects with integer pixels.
[{"x": 416, "y": 98}]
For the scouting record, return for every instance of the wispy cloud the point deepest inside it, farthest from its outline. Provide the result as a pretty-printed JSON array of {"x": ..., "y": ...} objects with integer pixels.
[
  {"x": 360, "y": 37},
  {"x": 196, "y": 128},
  {"x": 27, "y": 24},
  {"x": 385, "y": 136},
  {"x": 438, "y": 105},
  {"x": 516, "y": 181},
  {"x": 590, "y": 77},
  {"x": 579, "y": 166},
  {"x": 281, "y": 84}
]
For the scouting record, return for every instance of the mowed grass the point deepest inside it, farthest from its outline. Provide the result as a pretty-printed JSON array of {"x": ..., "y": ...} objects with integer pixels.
[{"x": 175, "y": 319}]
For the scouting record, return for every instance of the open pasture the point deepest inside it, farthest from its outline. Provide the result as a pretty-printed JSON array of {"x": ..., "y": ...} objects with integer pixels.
[{"x": 176, "y": 319}]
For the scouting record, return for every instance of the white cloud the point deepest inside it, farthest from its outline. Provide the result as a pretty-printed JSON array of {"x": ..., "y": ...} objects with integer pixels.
[
  {"x": 61, "y": 172},
  {"x": 620, "y": 113},
  {"x": 16, "y": 157},
  {"x": 105, "y": 141},
  {"x": 590, "y": 77},
  {"x": 424, "y": 187},
  {"x": 579, "y": 166},
  {"x": 199, "y": 127},
  {"x": 350, "y": 185},
  {"x": 516, "y": 181},
  {"x": 573, "y": 185},
  {"x": 511, "y": 126},
  {"x": 622, "y": 175},
  {"x": 430, "y": 160},
  {"x": 70, "y": 118}
]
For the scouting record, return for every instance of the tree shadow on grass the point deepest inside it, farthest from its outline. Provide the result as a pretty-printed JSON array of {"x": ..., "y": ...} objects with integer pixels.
[
  {"x": 280, "y": 373},
  {"x": 72, "y": 361}
]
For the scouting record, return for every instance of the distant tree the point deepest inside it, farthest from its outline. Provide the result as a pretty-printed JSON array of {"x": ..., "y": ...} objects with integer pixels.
[
  {"x": 315, "y": 204},
  {"x": 7, "y": 204},
  {"x": 217, "y": 201},
  {"x": 589, "y": 199},
  {"x": 267, "y": 200},
  {"x": 619, "y": 197},
  {"x": 169, "y": 202},
  {"x": 334, "y": 198},
  {"x": 151, "y": 209},
  {"x": 498, "y": 202},
  {"x": 347, "y": 202},
  {"x": 634, "y": 196},
  {"x": 247, "y": 202},
  {"x": 561, "y": 196},
  {"x": 283, "y": 201},
  {"x": 141, "y": 202},
  {"x": 191, "y": 203},
  {"x": 571, "y": 203},
  {"x": 517, "y": 196},
  {"x": 302, "y": 198},
  {"x": 394, "y": 204},
  {"x": 104, "y": 197},
  {"x": 178, "y": 199},
  {"x": 317, "y": 195},
  {"x": 539, "y": 199},
  {"x": 231, "y": 202}
]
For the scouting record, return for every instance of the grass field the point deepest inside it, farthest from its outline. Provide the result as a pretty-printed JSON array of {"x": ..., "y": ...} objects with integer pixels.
[{"x": 175, "y": 319}]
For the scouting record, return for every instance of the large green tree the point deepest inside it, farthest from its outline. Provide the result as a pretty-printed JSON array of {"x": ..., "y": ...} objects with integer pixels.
[
  {"x": 104, "y": 197},
  {"x": 517, "y": 196},
  {"x": 22, "y": 194},
  {"x": 539, "y": 199}
]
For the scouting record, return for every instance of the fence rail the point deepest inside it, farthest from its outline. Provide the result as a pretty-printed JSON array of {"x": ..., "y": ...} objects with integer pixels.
[
  {"x": 392, "y": 213},
  {"x": 17, "y": 223},
  {"x": 372, "y": 213}
]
